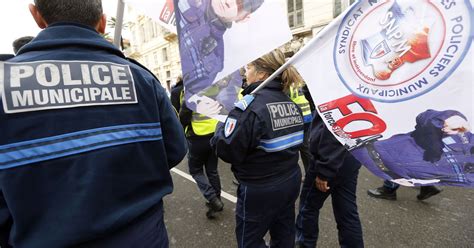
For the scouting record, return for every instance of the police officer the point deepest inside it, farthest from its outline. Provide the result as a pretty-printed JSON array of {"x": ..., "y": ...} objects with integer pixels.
[
  {"x": 89, "y": 138},
  {"x": 297, "y": 95},
  {"x": 202, "y": 160},
  {"x": 332, "y": 171},
  {"x": 201, "y": 27},
  {"x": 20, "y": 42},
  {"x": 17, "y": 44},
  {"x": 261, "y": 138},
  {"x": 176, "y": 93}
]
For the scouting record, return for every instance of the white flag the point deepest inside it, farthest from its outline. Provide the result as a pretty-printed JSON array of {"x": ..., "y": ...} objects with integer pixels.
[
  {"x": 216, "y": 39},
  {"x": 393, "y": 80}
]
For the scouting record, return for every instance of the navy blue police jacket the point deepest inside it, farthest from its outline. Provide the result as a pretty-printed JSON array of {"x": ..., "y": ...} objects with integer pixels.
[
  {"x": 328, "y": 154},
  {"x": 261, "y": 140},
  {"x": 88, "y": 139}
]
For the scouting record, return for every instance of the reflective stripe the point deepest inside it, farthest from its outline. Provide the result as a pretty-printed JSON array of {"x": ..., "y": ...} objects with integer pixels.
[
  {"x": 199, "y": 117},
  {"x": 282, "y": 143},
  {"x": 303, "y": 105},
  {"x": 307, "y": 118},
  {"x": 305, "y": 108},
  {"x": 32, "y": 151}
]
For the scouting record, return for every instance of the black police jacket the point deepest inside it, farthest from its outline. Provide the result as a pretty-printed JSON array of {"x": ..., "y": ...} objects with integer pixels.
[
  {"x": 87, "y": 141},
  {"x": 328, "y": 154},
  {"x": 262, "y": 140},
  {"x": 175, "y": 95}
]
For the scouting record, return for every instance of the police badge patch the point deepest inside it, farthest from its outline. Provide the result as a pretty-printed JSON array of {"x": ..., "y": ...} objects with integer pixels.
[
  {"x": 56, "y": 84},
  {"x": 230, "y": 124}
]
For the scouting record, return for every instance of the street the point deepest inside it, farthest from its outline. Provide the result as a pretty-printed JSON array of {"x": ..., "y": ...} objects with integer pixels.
[{"x": 445, "y": 220}]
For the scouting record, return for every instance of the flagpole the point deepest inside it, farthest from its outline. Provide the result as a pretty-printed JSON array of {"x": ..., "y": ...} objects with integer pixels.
[
  {"x": 119, "y": 23},
  {"x": 308, "y": 46}
]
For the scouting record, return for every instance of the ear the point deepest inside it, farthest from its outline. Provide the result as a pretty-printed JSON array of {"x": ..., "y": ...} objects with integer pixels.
[
  {"x": 262, "y": 75},
  {"x": 37, "y": 16},
  {"x": 100, "y": 27}
]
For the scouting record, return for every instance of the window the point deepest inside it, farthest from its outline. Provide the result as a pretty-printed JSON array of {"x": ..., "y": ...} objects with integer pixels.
[
  {"x": 155, "y": 58},
  {"x": 168, "y": 74},
  {"x": 164, "y": 54},
  {"x": 295, "y": 13},
  {"x": 141, "y": 31},
  {"x": 154, "y": 33},
  {"x": 339, "y": 4}
]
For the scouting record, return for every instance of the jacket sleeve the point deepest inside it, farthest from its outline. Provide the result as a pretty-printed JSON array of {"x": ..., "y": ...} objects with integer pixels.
[
  {"x": 172, "y": 132},
  {"x": 175, "y": 97},
  {"x": 235, "y": 147},
  {"x": 308, "y": 97},
  {"x": 328, "y": 152},
  {"x": 185, "y": 115}
]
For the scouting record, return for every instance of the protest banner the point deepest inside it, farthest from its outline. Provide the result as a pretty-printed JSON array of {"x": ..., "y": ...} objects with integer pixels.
[{"x": 393, "y": 81}]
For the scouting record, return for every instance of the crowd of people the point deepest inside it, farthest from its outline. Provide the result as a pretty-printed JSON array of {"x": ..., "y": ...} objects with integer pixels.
[{"x": 99, "y": 182}]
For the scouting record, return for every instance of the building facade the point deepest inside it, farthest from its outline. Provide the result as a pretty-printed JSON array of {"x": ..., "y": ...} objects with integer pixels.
[
  {"x": 307, "y": 18},
  {"x": 155, "y": 47},
  {"x": 158, "y": 49}
]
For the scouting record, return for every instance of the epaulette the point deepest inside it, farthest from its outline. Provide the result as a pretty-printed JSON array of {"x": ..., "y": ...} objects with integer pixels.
[{"x": 245, "y": 102}]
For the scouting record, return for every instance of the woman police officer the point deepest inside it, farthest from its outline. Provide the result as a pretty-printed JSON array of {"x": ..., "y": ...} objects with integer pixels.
[{"x": 260, "y": 139}]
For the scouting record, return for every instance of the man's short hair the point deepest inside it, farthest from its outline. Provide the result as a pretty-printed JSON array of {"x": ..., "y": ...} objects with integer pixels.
[
  {"x": 20, "y": 42},
  {"x": 86, "y": 12}
]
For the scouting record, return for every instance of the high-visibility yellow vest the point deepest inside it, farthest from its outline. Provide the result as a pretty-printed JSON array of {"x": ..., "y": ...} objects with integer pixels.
[
  {"x": 297, "y": 96},
  {"x": 239, "y": 95},
  {"x": 203, "y": 125}
]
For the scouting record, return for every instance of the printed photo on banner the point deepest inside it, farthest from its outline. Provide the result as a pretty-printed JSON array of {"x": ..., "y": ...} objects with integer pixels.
[
  {"x": 216, "y": 39},
  {"x": 399, "y": 92}
]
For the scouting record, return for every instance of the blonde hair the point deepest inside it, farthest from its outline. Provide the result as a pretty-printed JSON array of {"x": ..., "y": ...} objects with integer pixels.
[{"x": 273, "y": 60}]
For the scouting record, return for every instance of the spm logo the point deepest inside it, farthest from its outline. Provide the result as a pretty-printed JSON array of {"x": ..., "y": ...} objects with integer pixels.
[{"x": 395, "y": 50}]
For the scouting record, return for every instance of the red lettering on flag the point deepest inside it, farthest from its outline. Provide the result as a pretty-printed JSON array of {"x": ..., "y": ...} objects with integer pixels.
[
  {"x": 167, "y": 13},
  {"x": 369, "y": 115}
]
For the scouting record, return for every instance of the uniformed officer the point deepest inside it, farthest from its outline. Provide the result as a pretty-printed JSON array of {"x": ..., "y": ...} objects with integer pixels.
[
  {"x": 261, "y": 138},
  {"x": 201, "y": 27},
  {"x": 17, "y": 44},
  {"x": 20, "y": 42},
  {"x": 332, "y": 171},
  {"x": 176, "y": 93},
  {"x": 88, "y": 139},
  {"x": 297, "y": 96},
  {"x": 202, "y": 160}
]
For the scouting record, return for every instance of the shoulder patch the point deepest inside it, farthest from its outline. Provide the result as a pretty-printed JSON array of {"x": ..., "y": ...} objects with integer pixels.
[
  {"x": 229, "y": 127},
  {"x": 55, "y": 84},
  {"x": 245, "y": 102}
]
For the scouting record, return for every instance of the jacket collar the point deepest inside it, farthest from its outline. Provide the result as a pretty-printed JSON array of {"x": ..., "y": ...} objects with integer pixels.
[
  {"x": 273, "y": 85},
  {"x": 64, "y": 34}
]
